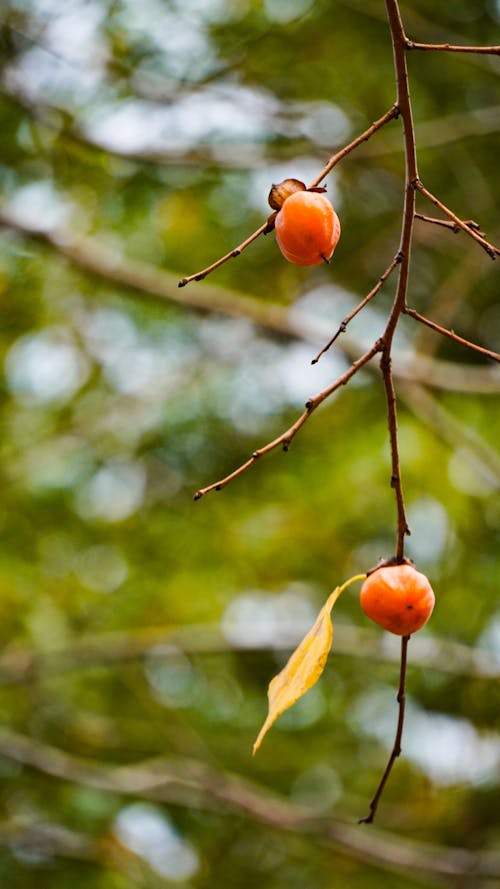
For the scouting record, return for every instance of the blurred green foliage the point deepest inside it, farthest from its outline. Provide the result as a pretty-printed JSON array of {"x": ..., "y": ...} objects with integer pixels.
[{"x": 156, "y": 129}]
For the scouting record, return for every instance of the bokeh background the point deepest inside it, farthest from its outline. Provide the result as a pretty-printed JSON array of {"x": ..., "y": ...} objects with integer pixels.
[{"x": 139, "y": 629}]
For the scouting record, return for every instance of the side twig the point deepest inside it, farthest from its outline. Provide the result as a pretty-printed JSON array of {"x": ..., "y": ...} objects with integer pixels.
[
  {"x": 285, "y": 439},
  {"x": 348, "y": 318},
  {"x": 445, "y": 223},
  {"x": 488, "y": 353},
  {"x": 268, "y": 226},
  {"x": 451, "y": 47},
  {"x": 491, "y": 250},
  {"x": 396, "y": 750},
  {"x": 231, "y": 255}
]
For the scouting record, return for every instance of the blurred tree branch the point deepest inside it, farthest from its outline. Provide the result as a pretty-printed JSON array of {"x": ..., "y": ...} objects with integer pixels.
[
  {"x": 193, "y": 784},
  {"x": 149, "y": 282},
  {"x": 42, "y": 840},
  {"x": 45, "y": 839},
  {"x": 21, "y": 665}
]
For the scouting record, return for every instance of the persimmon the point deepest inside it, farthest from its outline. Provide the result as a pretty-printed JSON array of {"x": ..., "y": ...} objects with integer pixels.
[
  {"x": 307, "y": 227},
  {"x": 398, "y": 598}
]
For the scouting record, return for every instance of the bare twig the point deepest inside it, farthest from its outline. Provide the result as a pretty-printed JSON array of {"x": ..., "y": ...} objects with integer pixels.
[
  {"x": 451, "y": 225},
  {"x": 488, "y": 353},
  {"x": 491, "y": 250},
  {"x": 348, "y": 318},
  {"x": 267, "y": 226},
  {"x": 450, "y": 47},
  {"x": 286, "y": 438},
  {"x": 396, "y": 750}
]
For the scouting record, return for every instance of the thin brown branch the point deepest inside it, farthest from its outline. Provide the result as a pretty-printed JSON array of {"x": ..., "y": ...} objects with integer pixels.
[
  {"x": 286, "y": 438},
  {"x": 396, "y": 750},
  {"x": 451, "y": 334},
  {"x": 231, "y": 255},
  {"x": 411, "y": 173},
  {"x": 403, "y": 529},
  {"x": 348, "y": 318},
  {"x": 450, "y": 47},
  {"x": 490, "y": 249},
  {"x": 266, "y": 226},
  {"x": 192, "y": 784},
  {"x": 445, "y": 223}
]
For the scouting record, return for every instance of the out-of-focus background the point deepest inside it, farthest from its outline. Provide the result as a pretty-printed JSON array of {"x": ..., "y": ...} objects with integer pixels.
[{"x": 139, "y": 629}]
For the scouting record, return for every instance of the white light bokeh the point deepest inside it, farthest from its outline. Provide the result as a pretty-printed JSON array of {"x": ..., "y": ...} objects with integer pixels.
[
  {"x": 448, "y": 749},
  {"x": 429, "y": 525},
  {"x": 38, "y": 206},
  {"x": 46, "y": 367},
  {"x": 148, "y": 832},
  {"x": 113, "y": 493},
  {"x": 101, "y": 568},
  {"x": 255, "y": 618}
]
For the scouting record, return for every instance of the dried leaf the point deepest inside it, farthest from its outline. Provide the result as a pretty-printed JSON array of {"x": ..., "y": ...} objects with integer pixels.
[{"x": 305, "y": 665}]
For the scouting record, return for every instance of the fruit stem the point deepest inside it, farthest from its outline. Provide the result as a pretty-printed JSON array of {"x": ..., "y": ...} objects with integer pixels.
[{"x": 396, "y": 750}]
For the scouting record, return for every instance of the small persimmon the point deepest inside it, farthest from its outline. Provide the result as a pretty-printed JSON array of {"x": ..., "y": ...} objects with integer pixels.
[
  {"x": 307, "y": 228},
  {"x": 398, "y": 598}
]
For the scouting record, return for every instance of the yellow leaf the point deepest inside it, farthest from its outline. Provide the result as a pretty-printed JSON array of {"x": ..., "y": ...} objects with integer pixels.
[{"x": 305, "y": 665}]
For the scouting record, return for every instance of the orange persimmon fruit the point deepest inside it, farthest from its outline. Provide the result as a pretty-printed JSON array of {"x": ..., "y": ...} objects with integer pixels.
[
  {"x": 307, "y": 228},
  {"x": 398, "y": 598}
]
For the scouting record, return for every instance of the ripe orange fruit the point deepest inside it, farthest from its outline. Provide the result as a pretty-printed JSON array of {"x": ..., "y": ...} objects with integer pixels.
[
  {"x": 307, "y": 228},
  {"x": 398, "y": 598}
]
